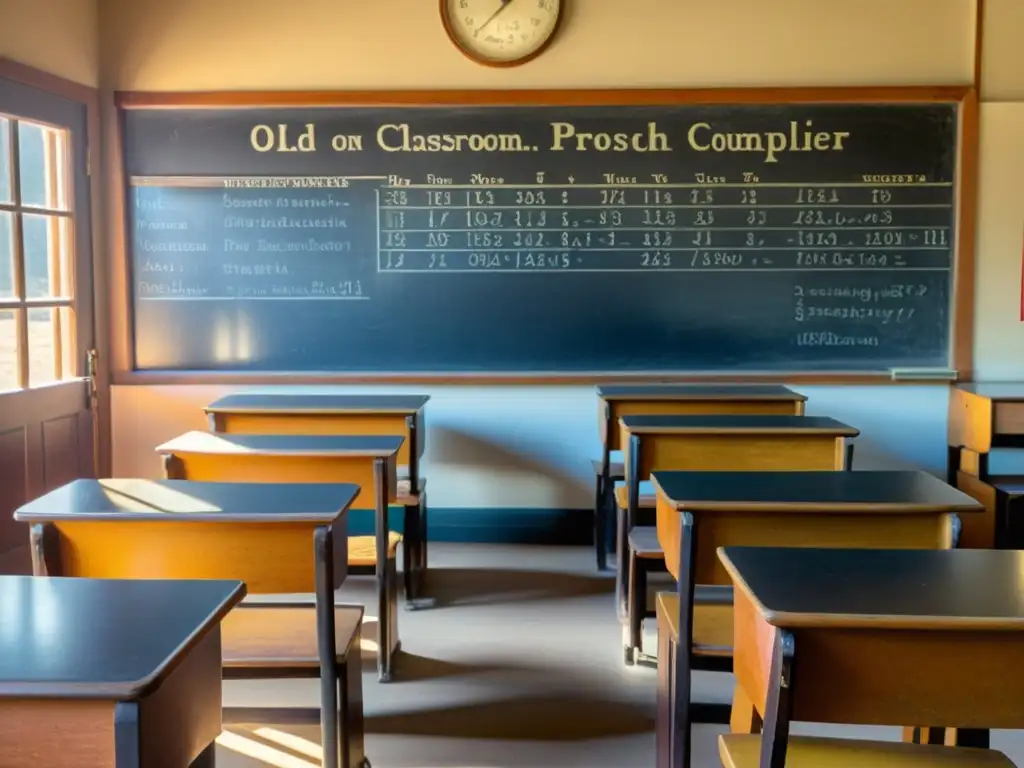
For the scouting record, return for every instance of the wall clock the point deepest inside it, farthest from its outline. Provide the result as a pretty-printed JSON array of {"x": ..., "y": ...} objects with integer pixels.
[{"x": 501, "y": 33}]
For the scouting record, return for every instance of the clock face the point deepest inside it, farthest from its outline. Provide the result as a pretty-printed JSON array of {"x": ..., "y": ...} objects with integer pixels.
[{"x": 501, "y": 32}]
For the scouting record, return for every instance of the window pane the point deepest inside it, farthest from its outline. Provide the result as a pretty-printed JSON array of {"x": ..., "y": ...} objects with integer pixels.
[
  {"x": 46, "y": 258},
  {"x": 6, "y": 255},
  {"x": 8, "y": 349},
  {"x": 5, "y": 160},
  {"x": 41, "y": 166},
  {"x": 42, "y": 347}
]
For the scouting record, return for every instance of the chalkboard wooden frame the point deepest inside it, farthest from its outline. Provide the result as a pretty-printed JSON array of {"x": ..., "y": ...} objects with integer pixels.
[{"x": 962, "y": 299}]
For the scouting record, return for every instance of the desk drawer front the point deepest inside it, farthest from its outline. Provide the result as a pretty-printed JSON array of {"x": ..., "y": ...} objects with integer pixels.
[{"x": 268, "y": 557}]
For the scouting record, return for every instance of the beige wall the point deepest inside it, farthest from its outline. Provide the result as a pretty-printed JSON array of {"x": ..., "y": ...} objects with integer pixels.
[
  {"x": 342, "y": 44},
  {"x": 59, "y": 36}
]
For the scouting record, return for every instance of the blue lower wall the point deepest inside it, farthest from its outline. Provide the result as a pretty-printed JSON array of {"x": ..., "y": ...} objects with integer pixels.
[{"x": 504, "y": 525}]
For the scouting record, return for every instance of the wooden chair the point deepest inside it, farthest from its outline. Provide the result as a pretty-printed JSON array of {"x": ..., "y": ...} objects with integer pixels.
[
  {"x": 616, "y": 401},
  {"x": 694, "y": 622},
  {"x": 297, "y": 413},
  {"x": 705, "y": 443},
  {"x": 139, "y": 529},
  {"x": 367, "y": 461}
]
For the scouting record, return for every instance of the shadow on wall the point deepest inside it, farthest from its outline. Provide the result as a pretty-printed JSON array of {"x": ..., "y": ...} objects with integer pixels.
[{"x": 454, "y": 449}]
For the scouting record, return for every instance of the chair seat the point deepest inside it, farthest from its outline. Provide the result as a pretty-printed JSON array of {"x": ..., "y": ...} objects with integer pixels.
[
  {"x": 712, "y": 624},
  {"x": 643, "y": 540},
  {"x": 616, "y": 469},
  {"x": 744, "y": 751},
  {"x": 362, "y": 550},
  {"x": 274, "y": 636},
  {"x": 646, "y": 495}
]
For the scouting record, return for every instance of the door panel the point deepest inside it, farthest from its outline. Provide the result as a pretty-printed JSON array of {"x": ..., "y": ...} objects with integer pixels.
[{"x": 46, "y": 432}]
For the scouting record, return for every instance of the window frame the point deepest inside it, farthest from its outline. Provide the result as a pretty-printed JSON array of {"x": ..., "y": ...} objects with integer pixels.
[{"x": 61, "y": 253}]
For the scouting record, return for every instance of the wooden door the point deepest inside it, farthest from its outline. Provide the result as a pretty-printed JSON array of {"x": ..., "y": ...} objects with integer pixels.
[{"x": 47, "y": 398}]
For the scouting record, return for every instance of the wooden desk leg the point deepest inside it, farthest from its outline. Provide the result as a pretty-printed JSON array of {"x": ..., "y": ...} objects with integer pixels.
[
  {"x": 323, "y": 540},
  {"x": 384, "y": 613},
  {"x": 600, "y": 521},
  {"x": 127, "y": 735}
]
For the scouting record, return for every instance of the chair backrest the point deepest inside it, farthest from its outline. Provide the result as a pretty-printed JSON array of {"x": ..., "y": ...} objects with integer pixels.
[
  {"x": 802, "y": 527},
  {"x": 732, "y": 451},
  {"x": 219, "y": 458},
  {"x": 951, "y": 677},
  {"x": 610, "y": 411},
  {"x": 343, "y": 423}
]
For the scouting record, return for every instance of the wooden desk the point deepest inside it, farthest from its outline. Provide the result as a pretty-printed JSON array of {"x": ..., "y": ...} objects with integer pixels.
[
  {"x": 616, "y": 401},
  {"x": 699, "y": 511},
  {"x": 704, "y": 442},
  {"x": 983, "y": 417},
  {"x": 297, "y": 413},
  {"x": 367, "y": 461},
  {"x": 293, "y": 413},
  {"x": 275, "y": 537},
  {"x": 876, "y": 637},
  {"x": 100, "y": 672}
]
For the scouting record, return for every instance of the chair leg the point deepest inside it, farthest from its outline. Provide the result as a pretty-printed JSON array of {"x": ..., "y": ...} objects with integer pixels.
[
  {"x": 636, "y": 607},
  {"x": 207, "y": 758},
  {"x": 410, "y": 551},
  {"x": 663, "y": 713},
  {"x": 622, "y": 562},
  {"x": 350, "y": 679},
  {"x": 600, "y": 525}
]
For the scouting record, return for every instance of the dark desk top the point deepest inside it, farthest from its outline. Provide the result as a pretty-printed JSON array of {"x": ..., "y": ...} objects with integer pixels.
[
  {"x": 177, "y": 500},
  {"x": 960, "y": 589},
  {"x": 378, "y": 446},
  {"x": 1011, "y": 485},
  {"x": 698, "y": 392},
  {"x": 703, "y": 423},
  {"x": 101, "y": 638},
  {"x": 297, "y": 402},
  {"x": 899, "y": 491}
]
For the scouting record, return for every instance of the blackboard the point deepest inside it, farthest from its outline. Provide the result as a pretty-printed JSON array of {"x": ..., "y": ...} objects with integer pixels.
[{"x": 736, "y": 237}]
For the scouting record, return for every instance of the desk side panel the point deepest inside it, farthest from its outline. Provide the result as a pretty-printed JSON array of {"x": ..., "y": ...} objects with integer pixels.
[
  {"x": 724, "y": 406},
  {"x": 317, "y": 424},
  {"x": 268, "y": 557},
  {"x": 183, "y": 715},
  {"x": 956, "y": 678},
  {"x": 970, "y": 421},
  {"x": 57, "y": 733},
  {"x": 753, "y": 642}
]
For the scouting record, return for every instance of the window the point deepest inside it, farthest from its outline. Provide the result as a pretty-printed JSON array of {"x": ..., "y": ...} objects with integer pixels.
[{"x": 37, "y": 307}]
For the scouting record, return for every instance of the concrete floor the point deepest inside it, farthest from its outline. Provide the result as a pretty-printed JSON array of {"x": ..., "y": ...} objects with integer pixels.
[{"x": 519, "y": 665}]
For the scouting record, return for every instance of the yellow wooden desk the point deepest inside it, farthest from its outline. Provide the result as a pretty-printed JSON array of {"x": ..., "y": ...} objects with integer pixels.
[
  {"x": 275, "y": 537},
  {"x": 616, "y": 401},
  {"x": 876, "y": 637},
  {"x": 716, "y": 442},
  {"x": 697, "y": 512},
  {"x": 102, "y": 672},
  {"x": 367, "y": 461},
  {"x": 298, "y": 413},
  {"x": 983, "y": 417}
]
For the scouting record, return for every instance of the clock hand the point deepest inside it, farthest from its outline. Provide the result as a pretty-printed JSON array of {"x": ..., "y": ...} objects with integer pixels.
[{"x": 504, "y": 4}]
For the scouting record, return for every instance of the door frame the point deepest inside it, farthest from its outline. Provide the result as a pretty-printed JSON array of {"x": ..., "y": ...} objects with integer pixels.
[{"x": 89, "y": 98}]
